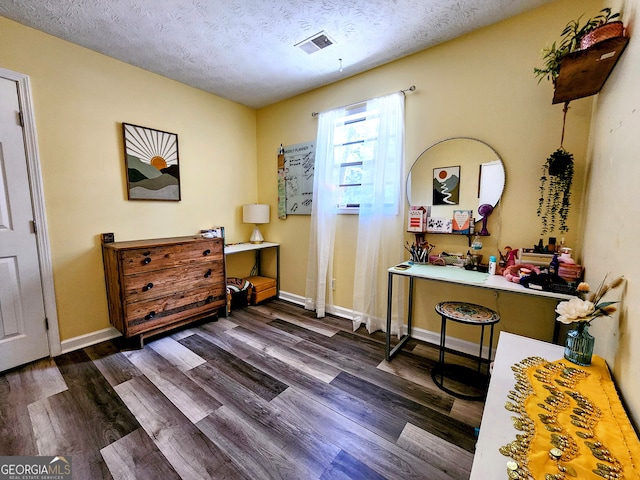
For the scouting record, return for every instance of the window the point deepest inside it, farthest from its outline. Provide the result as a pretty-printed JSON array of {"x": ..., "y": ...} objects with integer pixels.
[
  {"x": 358, "y": 165},
  {"x": 355, "y": 147}
]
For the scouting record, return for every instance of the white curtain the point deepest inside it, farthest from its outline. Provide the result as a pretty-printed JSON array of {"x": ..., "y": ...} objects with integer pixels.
[
  {"x": 381, "y": 221},
  {"x": 323, "y": 218}
]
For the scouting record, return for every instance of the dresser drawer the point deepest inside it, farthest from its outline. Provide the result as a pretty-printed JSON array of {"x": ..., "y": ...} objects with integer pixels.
[
  {"x": 166, "y": 256},
  {"x": 158, "y": 283},
  {"x": 142, "y": 316}
]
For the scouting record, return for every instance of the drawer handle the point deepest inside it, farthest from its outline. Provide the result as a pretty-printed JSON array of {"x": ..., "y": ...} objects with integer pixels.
[
  {"x": 209, "y": 299},
  {"x": 206, "y": 252},
  {"x": 146, "y": 261},
  {"x": 208, "y": 274},
  {"x": 147, "y": 287},
  {"x": 150, "y": 315}
]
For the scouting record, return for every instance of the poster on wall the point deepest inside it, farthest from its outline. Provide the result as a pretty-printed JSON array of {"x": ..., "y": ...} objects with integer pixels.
[
  {"x": 299, "y": 163},
  {"x": 446, "y": 185},
  {"x": 151, "y": 158}
]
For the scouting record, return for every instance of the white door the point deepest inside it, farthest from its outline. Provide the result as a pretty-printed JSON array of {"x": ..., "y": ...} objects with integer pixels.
[{"x": 23, "y": 332}]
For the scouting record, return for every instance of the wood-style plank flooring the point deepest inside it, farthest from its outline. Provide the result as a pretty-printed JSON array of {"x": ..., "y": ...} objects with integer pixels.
[{"x": 269, "y": 392}]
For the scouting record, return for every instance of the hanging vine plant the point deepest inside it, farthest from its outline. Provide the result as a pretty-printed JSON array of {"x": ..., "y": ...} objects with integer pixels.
[{"x": 555, "y": 187}]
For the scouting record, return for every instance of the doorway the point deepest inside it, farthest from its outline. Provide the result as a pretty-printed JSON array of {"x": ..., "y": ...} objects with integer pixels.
[{"x": 28, "y": 320}]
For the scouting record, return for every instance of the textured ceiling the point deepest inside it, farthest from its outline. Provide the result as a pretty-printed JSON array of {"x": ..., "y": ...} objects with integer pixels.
[{"x": 243, "y": 50}]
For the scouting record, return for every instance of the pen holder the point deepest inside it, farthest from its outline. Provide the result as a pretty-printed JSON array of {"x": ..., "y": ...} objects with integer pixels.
[{"x": 420, "y": 253}]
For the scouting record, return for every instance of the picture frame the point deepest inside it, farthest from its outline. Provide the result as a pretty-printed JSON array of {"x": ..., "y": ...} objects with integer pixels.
[
  {"x": 462, "y": 222},
  {"x": 417, "y": 218},
  {"x": 152, "y": 162},
  {"x": 439, "y": 225},
  {"x": 446, "y": 185}
]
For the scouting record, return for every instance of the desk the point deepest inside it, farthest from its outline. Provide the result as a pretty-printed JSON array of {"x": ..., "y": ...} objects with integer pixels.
[
  {"x": 257, "y": 248},
  {"x": 458, "y": 276}
]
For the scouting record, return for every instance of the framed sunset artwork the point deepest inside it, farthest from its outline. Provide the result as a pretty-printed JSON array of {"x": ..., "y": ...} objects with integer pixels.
[
  {"x": 151, "y": 157},
  {"x": 446, "y": 185}
]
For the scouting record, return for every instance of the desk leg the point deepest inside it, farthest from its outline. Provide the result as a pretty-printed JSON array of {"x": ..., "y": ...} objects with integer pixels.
[
  {"x": 258, "y": 263},
  {"x": 389, "y": 305},
  {"x": 390, "y": 353},
  {"x": 410, "y": 308}
]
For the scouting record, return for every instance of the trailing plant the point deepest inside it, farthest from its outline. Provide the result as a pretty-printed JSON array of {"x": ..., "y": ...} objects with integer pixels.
[
  {"x": 570, "y": 42},
  {"x": 555, "y": 186},
  {"x": 555, "y": 190}
]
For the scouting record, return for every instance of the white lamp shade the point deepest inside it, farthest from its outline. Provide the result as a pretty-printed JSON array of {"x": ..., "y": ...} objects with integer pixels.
[{"x": 255, "y": 213}]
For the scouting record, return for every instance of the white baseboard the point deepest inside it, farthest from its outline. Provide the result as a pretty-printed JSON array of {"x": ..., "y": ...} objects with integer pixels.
[
  {"x": 299, "y": 300},
  {"x": 464, "y": 346},
  {"x": 452, "y": 343},
  {"x": 290, "y": 297},
  {"x": 88, "y": 339}
]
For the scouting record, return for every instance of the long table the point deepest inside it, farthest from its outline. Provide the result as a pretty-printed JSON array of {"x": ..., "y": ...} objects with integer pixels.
[
  {"x": 453, "y": 275},
  {"x": 496, "y": 428}
]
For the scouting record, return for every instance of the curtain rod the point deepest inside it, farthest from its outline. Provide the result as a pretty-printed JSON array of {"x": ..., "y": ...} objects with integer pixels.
[{"x": 412, "y": 88}]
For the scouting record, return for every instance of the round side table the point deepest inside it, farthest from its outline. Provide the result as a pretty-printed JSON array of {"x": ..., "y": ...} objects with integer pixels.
[{"x": 461, "y": 381}]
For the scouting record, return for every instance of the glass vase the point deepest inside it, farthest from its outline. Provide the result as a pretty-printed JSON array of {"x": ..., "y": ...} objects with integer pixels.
[{"x": 579, "y": 345}]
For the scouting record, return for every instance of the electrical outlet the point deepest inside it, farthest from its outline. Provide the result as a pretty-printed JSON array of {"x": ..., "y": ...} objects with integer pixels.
[{"x": 333, "y": 284}]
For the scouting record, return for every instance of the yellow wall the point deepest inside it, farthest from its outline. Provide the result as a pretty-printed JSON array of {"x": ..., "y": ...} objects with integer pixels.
[
  {"x": 81, "y": 98},
  {"x": 611, "y": 208},
  {"x": 480, "y": 85}
]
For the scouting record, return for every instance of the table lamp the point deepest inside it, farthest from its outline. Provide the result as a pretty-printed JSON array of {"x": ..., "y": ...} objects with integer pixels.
[{"x": 255, "y": 213}]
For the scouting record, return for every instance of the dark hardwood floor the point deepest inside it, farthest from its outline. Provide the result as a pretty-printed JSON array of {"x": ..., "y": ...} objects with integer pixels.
[{"x": 269, "y": 392}]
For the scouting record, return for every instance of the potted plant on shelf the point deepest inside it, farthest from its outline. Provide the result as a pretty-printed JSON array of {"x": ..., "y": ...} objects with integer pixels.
[
  {"x": 599, "y": 28},
  {"x": 576, "y": 37}
]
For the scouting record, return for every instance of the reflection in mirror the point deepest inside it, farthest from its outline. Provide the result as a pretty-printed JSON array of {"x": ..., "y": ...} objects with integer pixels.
[
  {"x": 482, "y": 176},
  {"x": 491, "y": 183}
]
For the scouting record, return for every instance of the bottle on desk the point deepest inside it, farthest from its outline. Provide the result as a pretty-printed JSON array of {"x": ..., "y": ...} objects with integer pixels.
[
  {"x": 554, "y": 265},
  {"x": 492, "y": 265}
]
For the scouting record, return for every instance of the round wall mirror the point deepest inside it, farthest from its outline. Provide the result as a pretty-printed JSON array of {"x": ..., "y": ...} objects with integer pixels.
[{"x": 459, "y": 173}]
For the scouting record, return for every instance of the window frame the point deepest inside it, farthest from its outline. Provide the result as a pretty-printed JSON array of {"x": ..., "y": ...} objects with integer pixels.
[{"x": 354, "y": 114}]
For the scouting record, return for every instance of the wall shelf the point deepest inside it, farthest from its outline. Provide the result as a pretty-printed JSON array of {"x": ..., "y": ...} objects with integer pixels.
[{"x": 583, "y": 73}]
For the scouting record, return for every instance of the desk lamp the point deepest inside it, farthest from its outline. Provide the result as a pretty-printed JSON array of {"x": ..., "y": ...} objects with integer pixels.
[{"x": 255, "y": 213}]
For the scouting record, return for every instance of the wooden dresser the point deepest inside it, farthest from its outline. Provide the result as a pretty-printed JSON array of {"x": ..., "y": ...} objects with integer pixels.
[{"x": 156, "y": 285}]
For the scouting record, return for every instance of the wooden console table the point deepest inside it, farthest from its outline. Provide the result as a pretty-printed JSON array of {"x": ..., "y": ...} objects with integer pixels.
[
  {"x": 257, "y": 248},
  {"x": 453, "y": 275}
]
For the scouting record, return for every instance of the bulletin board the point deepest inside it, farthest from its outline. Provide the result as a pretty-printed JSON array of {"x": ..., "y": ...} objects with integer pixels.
[{"x": 299, "y": 163}]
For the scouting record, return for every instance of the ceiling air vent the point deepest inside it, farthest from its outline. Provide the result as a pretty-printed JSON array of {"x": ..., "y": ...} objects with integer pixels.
[{"x": 314, "y": 43}]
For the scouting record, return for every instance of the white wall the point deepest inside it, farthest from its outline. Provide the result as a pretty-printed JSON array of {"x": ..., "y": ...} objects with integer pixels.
[{"x": 611, "y": 212}]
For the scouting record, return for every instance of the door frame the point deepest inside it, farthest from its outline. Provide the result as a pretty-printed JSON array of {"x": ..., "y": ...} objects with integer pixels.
[{"x": 37, "y": 197}]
